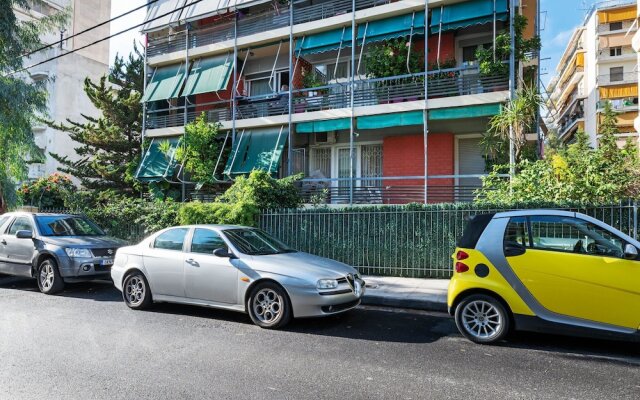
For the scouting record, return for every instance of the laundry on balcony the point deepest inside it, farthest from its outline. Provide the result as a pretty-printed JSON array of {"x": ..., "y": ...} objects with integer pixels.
[
  {"x": 256, "y": 149},
  {"x": 158, "y": 162},
  {"x": 468, "y": 13},
  {"x": 209, "y": 75},
  {"x": 323, "y": 126},
  {"x": 165, "y": 83}
]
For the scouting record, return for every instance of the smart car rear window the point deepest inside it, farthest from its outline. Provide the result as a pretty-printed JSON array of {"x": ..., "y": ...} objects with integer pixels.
[{"x": 475, "y": 226}]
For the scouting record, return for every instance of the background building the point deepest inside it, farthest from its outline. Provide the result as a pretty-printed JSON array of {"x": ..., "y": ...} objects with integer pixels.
[
  {"x": 598, "y": 66},
  {"x": 293, "y": 95},
  {"x": 67, "y": 74}
]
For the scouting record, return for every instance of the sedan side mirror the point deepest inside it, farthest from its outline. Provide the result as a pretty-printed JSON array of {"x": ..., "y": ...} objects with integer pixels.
[
  {"x": 224, "y": 253},
  {"x": 630, "y": 252},
  {"x": 24, "y": 234}
]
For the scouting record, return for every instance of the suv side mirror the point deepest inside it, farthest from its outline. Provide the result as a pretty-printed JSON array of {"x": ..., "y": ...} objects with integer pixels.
[
  {"x": 224, "y": 253},
  {"x": 24, "y": 234},
  {"x": 630, "y": 252},
  {"x": 512, "y": 249}
]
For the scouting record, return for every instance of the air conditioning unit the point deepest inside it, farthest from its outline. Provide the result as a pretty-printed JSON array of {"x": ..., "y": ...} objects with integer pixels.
[{"x": 325, "y": 137}]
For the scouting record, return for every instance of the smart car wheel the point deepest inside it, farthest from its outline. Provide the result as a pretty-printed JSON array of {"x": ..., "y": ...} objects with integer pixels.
[
  {"x": 136, "y": 292},
  {"x": 48, "y": 277},
  {"x": 482, "y": 319},
  {"x": 268, "y": 306}
]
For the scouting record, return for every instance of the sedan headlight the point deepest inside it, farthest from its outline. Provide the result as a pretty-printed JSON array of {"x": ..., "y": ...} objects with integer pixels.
[
  {"x": 78, "y": 253},
  {"x": 327, "y": 284}
]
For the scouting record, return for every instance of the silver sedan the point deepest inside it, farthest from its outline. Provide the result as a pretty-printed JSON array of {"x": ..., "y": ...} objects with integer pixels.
[{"x": 235, "y": 268}]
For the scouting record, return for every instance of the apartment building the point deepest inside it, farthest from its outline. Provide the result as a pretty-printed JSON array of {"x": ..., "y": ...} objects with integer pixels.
[
  {"x": 294, "y": 89},
  {"x": 598, "y": 66},
  {"x": 66, "y": 75},
  {"x": 635, "y": 42}
]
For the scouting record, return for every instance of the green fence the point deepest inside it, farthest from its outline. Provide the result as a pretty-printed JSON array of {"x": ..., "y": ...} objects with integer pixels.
[{"x": 413, "y": 241}]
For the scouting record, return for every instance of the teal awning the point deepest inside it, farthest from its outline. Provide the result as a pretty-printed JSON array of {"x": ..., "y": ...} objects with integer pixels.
[
  {"x": 323, "y": 126},
  {"x": 484, "y": 110},
  {"x": 391, "y": 28},
  {"x": 389, "y": 120},
  {"x": 468, "y": 13},
  {"x": 259, "y": 149},
  {"x": 208, "y": 75},
  {"x": 166, "y": 83},
  {"x": 324, "y": 41},
  {"x": 158, "y": 161}
]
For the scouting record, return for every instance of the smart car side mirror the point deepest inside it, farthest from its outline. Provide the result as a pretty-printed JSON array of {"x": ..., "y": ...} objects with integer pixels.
[
  {"x": 630, "y": 252},
  {"x": 24, "y": 234},
  {"x": 512, "y": 249},
  {"x": 224, "y": 253}
]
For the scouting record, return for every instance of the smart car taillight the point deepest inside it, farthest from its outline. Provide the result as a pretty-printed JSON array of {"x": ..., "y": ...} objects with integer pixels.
[
  {"x": 461, "y": 267},
  {"x": 461, "y": 255}
]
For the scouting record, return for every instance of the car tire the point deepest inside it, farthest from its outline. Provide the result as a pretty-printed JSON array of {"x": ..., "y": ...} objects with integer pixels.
[
  {"x": 48, "y": 277},
  {"x": 482, "y": 319},
  {"x": 269, "y": 306},
  {"x": 136, "y": 292}
]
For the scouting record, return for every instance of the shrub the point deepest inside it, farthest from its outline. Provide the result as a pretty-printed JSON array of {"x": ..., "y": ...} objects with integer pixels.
[
  {"x": 241, "y": 213},
  {"x": 264, "y": 191},
  {"x": 47, "y": 192}
]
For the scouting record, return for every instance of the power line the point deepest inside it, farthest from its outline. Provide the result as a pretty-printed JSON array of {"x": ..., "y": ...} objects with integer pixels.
[
  {"x": 89, "y": 29},
  {"x": 103, "y": 39}
]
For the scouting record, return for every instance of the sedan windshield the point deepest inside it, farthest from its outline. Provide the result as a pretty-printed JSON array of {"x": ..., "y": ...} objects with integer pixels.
[
  {"x": 67, "y": 225},
  {"x": 255, "y": 242}
]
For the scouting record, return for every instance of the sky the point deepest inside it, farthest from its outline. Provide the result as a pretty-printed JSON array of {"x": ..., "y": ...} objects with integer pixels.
[{"x": 558, "y": 20}]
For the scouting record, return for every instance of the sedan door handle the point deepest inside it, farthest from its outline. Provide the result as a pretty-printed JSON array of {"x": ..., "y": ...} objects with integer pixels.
[{"x": 192, "y": 261}]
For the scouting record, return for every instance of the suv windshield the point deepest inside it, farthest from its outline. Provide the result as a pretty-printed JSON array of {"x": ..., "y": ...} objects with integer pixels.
[
  {"x": 67, "y": 225},
  {"x": 255, "y": 242}
]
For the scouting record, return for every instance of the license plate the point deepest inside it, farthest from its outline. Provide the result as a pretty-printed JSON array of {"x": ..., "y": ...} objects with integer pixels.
[{"x": 107, "y": 263}]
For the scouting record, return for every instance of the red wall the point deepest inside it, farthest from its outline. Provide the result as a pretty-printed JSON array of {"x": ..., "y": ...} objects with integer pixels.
[
  {"x": 404, "y": 156},
  {"x": 213, "y": 97},
  {"x": 447, "y": 47}
]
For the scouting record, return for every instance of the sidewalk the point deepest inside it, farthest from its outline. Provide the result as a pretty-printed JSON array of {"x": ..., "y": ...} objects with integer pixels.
[{"x": 421, "y": 294}]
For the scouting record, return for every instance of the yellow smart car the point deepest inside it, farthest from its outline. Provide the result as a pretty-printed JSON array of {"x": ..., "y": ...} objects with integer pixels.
[{"x": 544, "y": 270}]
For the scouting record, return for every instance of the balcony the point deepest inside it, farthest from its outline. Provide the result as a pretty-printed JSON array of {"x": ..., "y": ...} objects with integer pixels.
[
  {"x": 611, "y": 55},
  {"x": 370, "y": 92},
  {"x": 622, "y": 26},
  {"x": 617, "y": 78}
]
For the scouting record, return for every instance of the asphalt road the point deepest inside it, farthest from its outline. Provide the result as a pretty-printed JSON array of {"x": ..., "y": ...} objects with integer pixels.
[{"x": 86, "y": 344}]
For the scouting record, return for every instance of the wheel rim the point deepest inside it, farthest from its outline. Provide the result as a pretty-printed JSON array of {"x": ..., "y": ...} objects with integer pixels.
[
  {"x": 267, "y": 306},
  {"x": 46, "y": 276},
  {"x": 135, "y": 290},
  {"x": 482, "y": 319}
]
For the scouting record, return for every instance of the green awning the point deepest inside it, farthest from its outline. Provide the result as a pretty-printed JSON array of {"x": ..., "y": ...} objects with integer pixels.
[
  {"x": 324, "y": 41},
  {"x": 389, "y": 120},
  {"x": 259, "y": 149},
  {"x": 165, "y": 83},
  {"x": 468, "y": 13},
  {"x": 391, "y": 28},
  {"x": 208, "y": 75},
  {"x": 484, "y": 110},
  {"x": 323, "y": 126},
  {"x": 158, "y": 161}
]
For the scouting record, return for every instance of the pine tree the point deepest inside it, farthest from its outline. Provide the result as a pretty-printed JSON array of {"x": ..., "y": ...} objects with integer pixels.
[
  {"x": 110, "y": 145},
  {"x": 21, "y": 102},
  {"x": 607, "y": 131}
]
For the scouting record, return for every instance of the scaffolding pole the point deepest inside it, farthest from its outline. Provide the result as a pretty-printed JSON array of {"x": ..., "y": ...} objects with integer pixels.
[
  {"x": 512, "y": 85},
  {"x": 352, "y": 119},
  {"x": 290, "y": 100},
  {"x": 425, "y": 114}
]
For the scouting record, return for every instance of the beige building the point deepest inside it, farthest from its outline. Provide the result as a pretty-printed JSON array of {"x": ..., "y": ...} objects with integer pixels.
[
  {"x": 66, "y": 74},
  {"x": 599, "y": 65}
]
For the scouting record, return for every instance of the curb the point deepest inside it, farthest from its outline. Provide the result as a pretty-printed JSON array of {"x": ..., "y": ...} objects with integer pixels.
[{"x": 416, "y": 304}]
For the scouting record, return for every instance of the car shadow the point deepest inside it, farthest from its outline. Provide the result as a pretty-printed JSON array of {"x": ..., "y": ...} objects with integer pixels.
[{"x": 94, "y": 290}]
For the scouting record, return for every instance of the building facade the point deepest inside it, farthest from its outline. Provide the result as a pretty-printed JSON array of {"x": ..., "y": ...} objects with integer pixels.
[
  {"x": 598, "y": 66},
  {"x": 293, "y": 94},
  {"x": 66, "y": 75}
]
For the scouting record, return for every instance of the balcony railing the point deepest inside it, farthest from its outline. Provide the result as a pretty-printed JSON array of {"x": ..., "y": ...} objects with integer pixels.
[
  {"x": 606, "y": 27},
  {"x": 605, "y": 54},
  {"x": 629, "y": 103},
  {"x": 253, "y": 24},
  {"x": 617, "y": 79}
]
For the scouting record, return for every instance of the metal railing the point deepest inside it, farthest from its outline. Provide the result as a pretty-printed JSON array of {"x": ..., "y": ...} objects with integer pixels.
[
  {"x": 415, "y": 241},
  {"x": 606, "y": 27},
  {"x": 219, "y": 111},
  {"x": 617, "y": 79}
]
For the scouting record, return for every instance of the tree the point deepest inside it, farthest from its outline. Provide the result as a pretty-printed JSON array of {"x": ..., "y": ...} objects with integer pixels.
[
  {"x": 110, "y": 144},
  {"x": 21, "y": 102}
]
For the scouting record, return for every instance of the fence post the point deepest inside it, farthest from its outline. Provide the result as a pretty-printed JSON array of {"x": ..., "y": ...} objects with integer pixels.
[{"x": 635, "y": 219}]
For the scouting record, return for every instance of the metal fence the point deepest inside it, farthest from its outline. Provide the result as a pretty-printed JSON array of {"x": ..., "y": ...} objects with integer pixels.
[{"x": 414, "y": 241}]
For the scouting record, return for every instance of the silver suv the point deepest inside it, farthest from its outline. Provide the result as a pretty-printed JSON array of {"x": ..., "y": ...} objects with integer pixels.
[{"x": 54, "y": 249}]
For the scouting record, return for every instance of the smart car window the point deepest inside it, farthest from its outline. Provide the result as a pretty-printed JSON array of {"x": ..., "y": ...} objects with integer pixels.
[
  {"x": 205, "y": 241},
  {"x": 172, "y": 239},
  {"x": 516, "y": 232},
  {"x": 20, "y": 224},
  {"x": 574, "y": 235}
]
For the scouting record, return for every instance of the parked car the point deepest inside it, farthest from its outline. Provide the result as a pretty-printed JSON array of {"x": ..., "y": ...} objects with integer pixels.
[
  {"x": 234, "y": 268},
  {"x": 547, "y": 271},
  {"x": 54, "y": 249}
]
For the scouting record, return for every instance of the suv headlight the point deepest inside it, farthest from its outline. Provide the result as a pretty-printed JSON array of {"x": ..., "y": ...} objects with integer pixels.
[
  {"x": 78, "y": 253},
  {"x": 327, "y": 284}
]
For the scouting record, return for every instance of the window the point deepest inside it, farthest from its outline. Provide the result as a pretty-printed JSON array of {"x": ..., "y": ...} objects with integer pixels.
[
  {"x": 3, "y": 220},
  {"x": 371, "y": 165},
  {"x": 616, "y": 74},
  {"x": 320, "y": 162},
  {"x": 172, "y": 239},
  {"x": 205, "y": 241},
  {"x": 516, "y": 232},
  {"x": 574, "y": 235},
  {"x": 20, "y": 224},
  {"x": 260, "y": 87},
  {"x": 469, "y": 52},
  {"x": 615, "y": 51},
  {"x": 615, "y": 26},
  {"x": 342, "y": 72},
  {"x": 255, "y": 242},
  {"x": 66, "y": 225}
]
